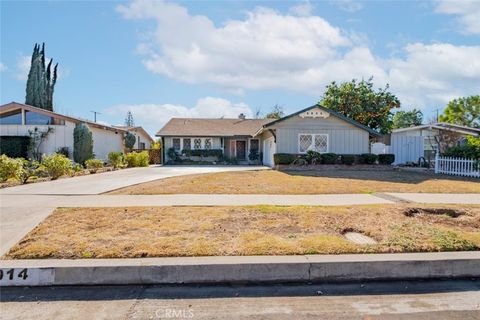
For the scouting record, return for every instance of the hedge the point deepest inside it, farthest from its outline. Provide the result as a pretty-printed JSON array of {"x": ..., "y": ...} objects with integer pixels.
[
  {"x": 284, "y": 158},
  {"x": 369, "y": 158},
  {"x": 14, "y": 146},
  {"x": 202, "y": 152},
  {"x": 387, "y": 158},
  {"x": 329, "y": 158},
  {"x": 348, "y": 159}
]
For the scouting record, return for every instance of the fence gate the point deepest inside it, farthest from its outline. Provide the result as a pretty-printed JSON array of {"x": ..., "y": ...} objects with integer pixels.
[{"x": 407, "y": 148}]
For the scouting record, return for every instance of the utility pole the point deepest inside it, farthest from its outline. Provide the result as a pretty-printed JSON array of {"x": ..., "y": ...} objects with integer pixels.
[{"x": 95, "y": 115}]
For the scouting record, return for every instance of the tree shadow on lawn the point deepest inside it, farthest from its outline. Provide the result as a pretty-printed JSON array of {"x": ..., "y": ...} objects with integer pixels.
[{"x": 381, "y": 175}]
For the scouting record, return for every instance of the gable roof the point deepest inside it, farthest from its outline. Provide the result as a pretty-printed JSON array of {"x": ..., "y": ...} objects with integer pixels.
[
  {"x": 211, "y": 127},
  {"x": 332, "y": 112},
  {"x": 442, "y": 126},
  {"x": 15, "y": 105},
  {"x": 135, "y": 128}
]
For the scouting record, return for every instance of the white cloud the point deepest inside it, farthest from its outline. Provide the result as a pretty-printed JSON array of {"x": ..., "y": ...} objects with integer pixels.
[
  {"x": 347, "y": 5},
  {"x": 2, "y": 67},
  {"x": 467, "y": 12},
  {"x": 299, "y": 53},
  {"x": 153, "y": 116},
  {"x": 302, "y": 9}
]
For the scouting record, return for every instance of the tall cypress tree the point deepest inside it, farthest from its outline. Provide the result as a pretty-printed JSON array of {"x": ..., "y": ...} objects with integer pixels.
[{"x": 40, "y": 83}]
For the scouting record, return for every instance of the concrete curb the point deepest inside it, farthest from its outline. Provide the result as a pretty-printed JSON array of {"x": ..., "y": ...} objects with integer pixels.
[{"x": 254, "y": 269}]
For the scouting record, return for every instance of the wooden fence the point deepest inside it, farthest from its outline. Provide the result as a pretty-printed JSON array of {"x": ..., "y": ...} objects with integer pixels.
[
  {"x": 457, "y": 166},
  {"x": 154, "y": 154}
]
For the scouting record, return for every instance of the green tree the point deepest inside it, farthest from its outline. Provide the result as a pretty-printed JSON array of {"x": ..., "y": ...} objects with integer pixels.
[
  {"x": 130, "y": 140},
  {"x": 40, "y": 82},
  {"x": 405, "y": 119},
  {"x": 463, "y": 111},
  {"x": 276, "y": 113},
  {"x": 129, "y": 120},
  {"x": 82, "y": 143},
  {"x": 359, "y": 101}
]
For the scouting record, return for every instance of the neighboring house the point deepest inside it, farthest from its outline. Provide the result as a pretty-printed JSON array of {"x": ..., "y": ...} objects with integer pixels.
[
  {"x": 409, "y": 144},
  {"x": 315, "y": 128},
  {"x": 143, "y": 140},
  {"x": 17, "y": 119}
]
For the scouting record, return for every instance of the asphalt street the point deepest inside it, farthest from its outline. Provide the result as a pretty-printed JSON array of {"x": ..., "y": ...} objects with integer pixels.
[{"x": 459, "y": 299}]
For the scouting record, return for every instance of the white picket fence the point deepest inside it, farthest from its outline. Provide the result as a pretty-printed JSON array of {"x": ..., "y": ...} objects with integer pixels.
[{"x": 457, "y": 166}]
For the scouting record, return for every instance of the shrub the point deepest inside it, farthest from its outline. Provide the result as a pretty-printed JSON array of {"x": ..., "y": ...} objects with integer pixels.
[
  {"x": 64, "y": 151},
  {"x": 130, "y": 140},
  {"x": 369, "y": 158},
  {"x": 313, "y": 157},
  {"x": 203, "y": 152},
  {"x": 9, "y": 167},
  {"x": 387, "y": 158},
  {"x": 284, "y": 158},
  {"x": 137, "y": 159},
  {"x": 470, "y": 150},
  {"x": 329, "y": 158},
  {"x": 254, "y": 155},
  {"x": 173, "y": 155},
  {"x": 116, "y": 159},
  {"x": 77, "y": 167},
  {"x": 56, "y": 165},
  {"x": 27, "y": 170},
  {"x": 82, "y": 143},
  {"x": 348, "y": 159},
  {"x": 94, "y": 164},
  {"x": 14, "y": 146}
]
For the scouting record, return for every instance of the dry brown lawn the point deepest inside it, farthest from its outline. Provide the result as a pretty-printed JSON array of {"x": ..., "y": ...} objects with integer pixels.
[
  {"x": 252, "y": 230},
  {"x": 305, "y": 182}
]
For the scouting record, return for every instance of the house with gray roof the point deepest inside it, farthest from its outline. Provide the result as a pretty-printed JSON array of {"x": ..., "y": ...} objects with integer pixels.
[{"x": 314, "y": 128}]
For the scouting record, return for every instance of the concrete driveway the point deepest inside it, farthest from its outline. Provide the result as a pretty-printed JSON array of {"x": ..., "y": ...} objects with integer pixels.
[{"x": 108, "y": 181}]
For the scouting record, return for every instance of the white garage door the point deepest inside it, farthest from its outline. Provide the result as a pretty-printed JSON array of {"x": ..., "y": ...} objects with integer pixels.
[{"x": 269, "y": 149}]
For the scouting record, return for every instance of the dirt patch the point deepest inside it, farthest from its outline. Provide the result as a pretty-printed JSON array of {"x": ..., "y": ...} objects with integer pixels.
[
  {"x": 332, "y": 181},
  {"x": 453, "y": 213},
  {"x": 251, "y": 230}
]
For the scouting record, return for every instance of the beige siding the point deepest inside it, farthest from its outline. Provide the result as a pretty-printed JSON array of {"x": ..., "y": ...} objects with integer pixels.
[
  {"x": 105, "y": 141},
  {"x": 343, "y": 137}
]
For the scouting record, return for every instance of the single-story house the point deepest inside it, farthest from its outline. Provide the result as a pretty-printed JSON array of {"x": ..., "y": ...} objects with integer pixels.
[
  {"x": 17, "y": 119},
  {"x": 314, "y": 128},
  {"x": 143, "y": 141},
  {"x": 409, "y": 144}
]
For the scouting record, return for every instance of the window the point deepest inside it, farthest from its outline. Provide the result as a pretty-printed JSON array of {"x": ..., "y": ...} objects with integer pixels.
[
  {"x": 187, "y": 144},
  {"x": 208, "y": 143},
  {"x": 176, "y": 144},
  {"x": 12, "y": 117},
  {"x": 142, "y": 145},
  {"x": 197, "y": 143},
  {"x": 37, "y": 118},
  {"x": 315, "y": 142},
  {"x": 254, "y": 145}
]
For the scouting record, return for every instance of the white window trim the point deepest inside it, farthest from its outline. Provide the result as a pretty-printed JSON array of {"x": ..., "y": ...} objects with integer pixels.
[{"x": 312, "y": 146}]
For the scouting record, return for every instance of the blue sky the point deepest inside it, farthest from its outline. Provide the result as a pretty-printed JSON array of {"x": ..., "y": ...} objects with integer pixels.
[{"x": 211, "y": 58}]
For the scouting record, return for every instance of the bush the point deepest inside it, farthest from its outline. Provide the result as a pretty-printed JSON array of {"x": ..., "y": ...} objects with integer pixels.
[
  {"x": 116, "y": 159},
  {"x": 56, "y": 165},
  {"x": 284, "y": 158},
  {"x": 369, "y": 158},
  {"x": 93, "y": 165},
  {"x": 137, "y": 159},
  {"x": 14, "y": 146},
  {"x": 329, "y": 158},
  {"x": 64, "y": 151},
  {"x": 173, "y": 155},
  {"x": 386, "y": 158},
  {"x": 130, "y": 140},
  {"x": 27, "y": 170},
  {"x": 82, "y": 143},
  {"x": 203, "y": 152},
  {"x": 254, "y": 155},
  {"x": 347, "y": 159},
  {"x": 9, "y": 167},
  {"x": 470, "y": 150},
  {"x": 77, "y": 167},
  {"x": 313, "y": 157}
]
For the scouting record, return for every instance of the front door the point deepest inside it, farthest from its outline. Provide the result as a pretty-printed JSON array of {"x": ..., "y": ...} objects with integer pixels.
[{"x": 241, "y": 146}]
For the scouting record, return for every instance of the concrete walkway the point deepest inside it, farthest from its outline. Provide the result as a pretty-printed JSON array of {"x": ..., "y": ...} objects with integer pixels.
[{"x": 108, "y": 181}]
